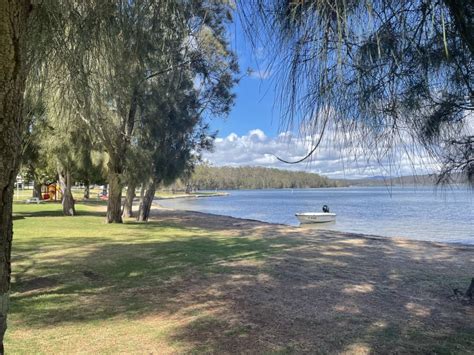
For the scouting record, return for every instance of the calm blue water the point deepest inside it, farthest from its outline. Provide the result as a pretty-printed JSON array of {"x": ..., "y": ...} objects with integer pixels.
[{"x": 413, "y": 212}]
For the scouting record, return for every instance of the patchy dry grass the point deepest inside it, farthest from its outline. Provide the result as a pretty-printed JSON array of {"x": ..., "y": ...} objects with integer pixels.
[{"x": 192, "y": 283}]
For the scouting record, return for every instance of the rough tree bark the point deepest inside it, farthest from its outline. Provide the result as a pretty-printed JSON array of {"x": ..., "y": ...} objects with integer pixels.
[
  {"x": 37, "y": 189},
  {"x": 142, "y": 196},
  {"x": 67, "y": 200},
  {"x": 117, "y": 153},
  {"x": 13, "y": 24},
  {"x": 128, "y": 204},
  {"x": 142, "y": 192},
  {"x": 146, "y": 201},
  {"x": 87, "y": 190},
  {"x": 114, "y": 203}
]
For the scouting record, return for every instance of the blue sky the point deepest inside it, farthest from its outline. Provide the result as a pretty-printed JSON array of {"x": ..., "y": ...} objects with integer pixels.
[
  {"x": 254, "y": 107},
  {"x": 252, "y": 134}
]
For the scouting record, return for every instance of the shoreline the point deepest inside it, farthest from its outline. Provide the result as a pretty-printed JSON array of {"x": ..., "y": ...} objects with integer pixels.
[
  {"x": 409, "y": 215},
  {"x": 237, "y": 221},
  {"x": 192, "y": 196}
]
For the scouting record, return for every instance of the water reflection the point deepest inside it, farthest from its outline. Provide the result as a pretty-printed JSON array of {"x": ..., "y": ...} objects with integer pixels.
[{"x": 325, "y": 225}]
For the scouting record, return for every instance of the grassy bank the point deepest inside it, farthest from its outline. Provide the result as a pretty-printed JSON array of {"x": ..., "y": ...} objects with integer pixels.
[
  {"x": 82, "y": 285},
  {"x": 194, "y": 283}
]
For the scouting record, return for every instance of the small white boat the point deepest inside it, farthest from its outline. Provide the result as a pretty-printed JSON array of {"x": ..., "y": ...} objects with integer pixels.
[{"x": 315, "y": 217}]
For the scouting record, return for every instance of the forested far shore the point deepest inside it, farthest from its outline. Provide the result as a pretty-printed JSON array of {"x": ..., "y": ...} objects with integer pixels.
[
  {"x": 407, "y": 180},
  {"x": 207, "y": 177},
  {"x": 233, "y": 178}
]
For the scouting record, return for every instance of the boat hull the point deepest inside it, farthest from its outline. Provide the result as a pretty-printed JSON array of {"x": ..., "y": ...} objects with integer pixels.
[{"x": 306, "y": 218}]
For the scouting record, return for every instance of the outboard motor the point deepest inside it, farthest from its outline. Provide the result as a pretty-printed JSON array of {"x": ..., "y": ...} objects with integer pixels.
[{"x": 325, "y": 209}]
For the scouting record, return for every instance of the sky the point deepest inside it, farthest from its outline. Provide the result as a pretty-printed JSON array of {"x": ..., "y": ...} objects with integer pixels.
[
  {"x": 254, "y": 105},
  {"x": 253, "y": 133}
]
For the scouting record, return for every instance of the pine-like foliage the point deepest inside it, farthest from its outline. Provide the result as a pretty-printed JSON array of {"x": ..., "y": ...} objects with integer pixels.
[{"x": 394, "y": 79}]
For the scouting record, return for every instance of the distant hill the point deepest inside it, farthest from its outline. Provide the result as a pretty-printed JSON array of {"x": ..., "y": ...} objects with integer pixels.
[
  {"x": 251, "y": 177},
  {"x": 248, "y": 177},
  {"x": 430, "y": 180}
]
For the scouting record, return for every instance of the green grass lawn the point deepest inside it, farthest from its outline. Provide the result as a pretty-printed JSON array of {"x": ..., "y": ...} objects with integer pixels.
[
  {"x": 78, "y": 193},
  {"x": 82, "y": 285}
]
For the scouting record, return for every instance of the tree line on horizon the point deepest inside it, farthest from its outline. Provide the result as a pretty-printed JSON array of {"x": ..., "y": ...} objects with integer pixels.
[{"x": 207, "y": 177}]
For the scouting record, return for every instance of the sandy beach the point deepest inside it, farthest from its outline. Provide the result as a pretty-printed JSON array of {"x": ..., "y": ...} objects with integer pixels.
[{"x": 329, "y": 292}]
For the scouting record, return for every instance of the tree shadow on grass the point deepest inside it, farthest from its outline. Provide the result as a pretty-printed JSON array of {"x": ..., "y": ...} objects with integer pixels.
[
  {"x": 93, "y": 203},
  {"x": 345, "y": 294},
  {"x": 54, "y": 213},
  {"x": 138, "y": 278},
  {"x": 261, "y": 289}
]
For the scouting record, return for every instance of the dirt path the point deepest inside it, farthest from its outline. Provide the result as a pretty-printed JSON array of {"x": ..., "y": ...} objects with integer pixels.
[{"x": 328, "y": 292}]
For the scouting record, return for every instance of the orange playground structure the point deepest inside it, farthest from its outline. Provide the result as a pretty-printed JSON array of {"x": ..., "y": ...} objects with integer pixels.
[{"x": 51, "y": 193}]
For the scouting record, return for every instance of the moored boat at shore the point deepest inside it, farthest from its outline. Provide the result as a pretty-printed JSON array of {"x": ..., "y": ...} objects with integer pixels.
[{"x": 315, "y": 217}]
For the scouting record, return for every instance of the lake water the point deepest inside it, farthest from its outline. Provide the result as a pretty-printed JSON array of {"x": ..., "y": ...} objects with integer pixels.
[{"x": 423, "y": 213}]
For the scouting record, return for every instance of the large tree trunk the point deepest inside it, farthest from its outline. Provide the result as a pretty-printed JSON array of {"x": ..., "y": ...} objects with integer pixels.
[
  {"x": 142, "y": 192},
  {"x": 13, "y": 23},
  {"x": 37, "y": 189},
  {"x": 114, "y": 202},
  {"x": 146, "y": 201},
  {"x": 87, "y": 190},
  {"x": 189, "y": 187},
  {"x": 128, "y": 204},
  {"x": 67, "y": 200},
  {"x": 116, "y": 164}
]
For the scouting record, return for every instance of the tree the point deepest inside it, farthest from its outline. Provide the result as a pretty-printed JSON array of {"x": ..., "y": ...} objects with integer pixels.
[
  {"x": 174, "y": 109},
  {"x": 207, "y": 177},
  {"x": 104, "y": 82},
  {"x": 173, "y": 140},
  {"x": 90, "y": 162},
  {"x": 34, "y": 165},
  {"x": 119, "y": 55},
  {"x": 14, "y": 17},
  {"x": 138, "y": 169},
  {"x": 68, "y": 149},
  {"x": 384, "y": 75}
]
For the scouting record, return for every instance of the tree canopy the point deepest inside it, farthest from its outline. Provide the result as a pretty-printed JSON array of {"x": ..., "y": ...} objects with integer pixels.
[
  {"x": 110, "y": 62},
  {"x": 390, "y": 77}
]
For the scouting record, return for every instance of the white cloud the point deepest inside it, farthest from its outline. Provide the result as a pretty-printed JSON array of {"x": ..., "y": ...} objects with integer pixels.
[
  {"x": 232, "y": 137},
  {"x": 332, "y": 158},
  {"x": 257, "y": 135}
]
